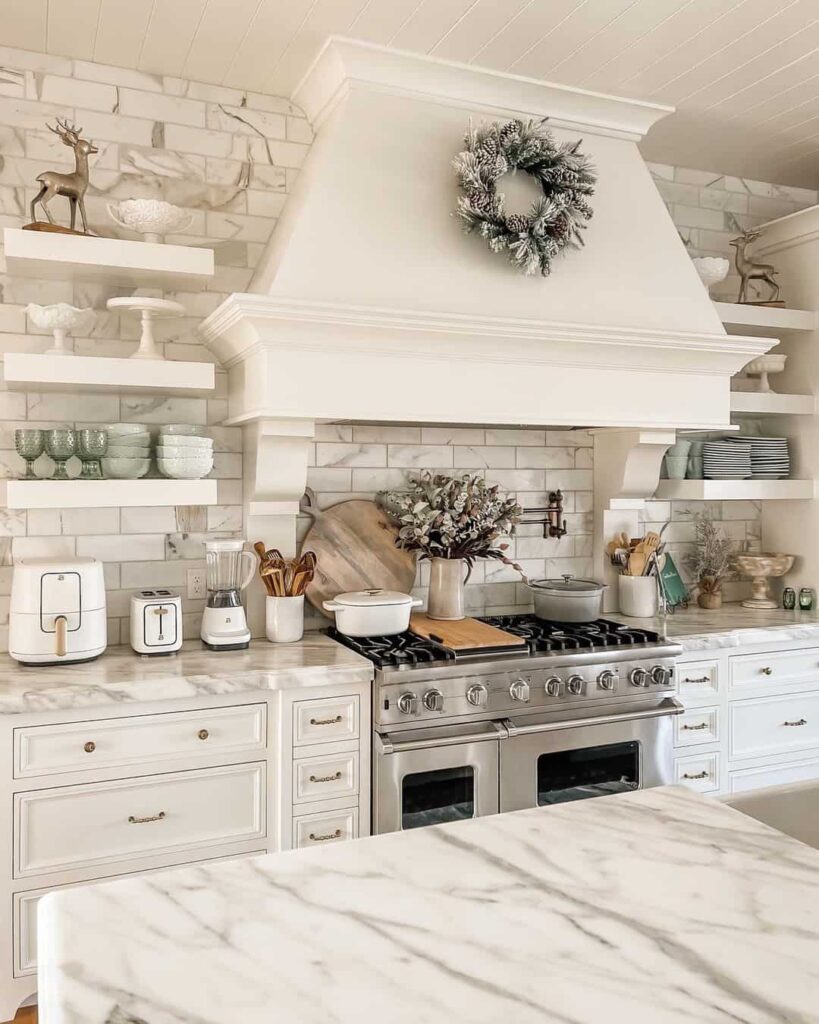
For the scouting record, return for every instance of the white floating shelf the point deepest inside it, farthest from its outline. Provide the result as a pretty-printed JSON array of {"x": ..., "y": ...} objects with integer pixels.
[
  {"x": 27, "y": 371},
  {"x": 758, "y": 403},
  {"x": 116, "y": 260},
  {"x": 108, "y": 493},
  {"x": 734, "y": 490},
  {"x": 764, "y": 321}
]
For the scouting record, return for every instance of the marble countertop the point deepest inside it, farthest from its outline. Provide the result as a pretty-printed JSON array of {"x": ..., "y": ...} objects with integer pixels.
[
  {"x": 121, "y": 676},
  {"x": 730, "y": 626},
  {"x": 657, "y": 907}
]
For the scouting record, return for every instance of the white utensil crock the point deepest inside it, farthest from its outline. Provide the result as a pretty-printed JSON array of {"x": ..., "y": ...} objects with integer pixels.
[
  {"x": 638, "y": 596},
  {"x": 284, "y": 619}
]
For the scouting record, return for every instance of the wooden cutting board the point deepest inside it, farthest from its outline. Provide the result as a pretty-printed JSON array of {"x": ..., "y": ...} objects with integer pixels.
[
  {"x": 463, "y": 635},
  {"x": 354, "y": 543}
]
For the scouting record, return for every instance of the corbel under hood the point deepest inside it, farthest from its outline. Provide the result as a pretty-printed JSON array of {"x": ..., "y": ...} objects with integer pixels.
[{"x": 370, "y": 302}]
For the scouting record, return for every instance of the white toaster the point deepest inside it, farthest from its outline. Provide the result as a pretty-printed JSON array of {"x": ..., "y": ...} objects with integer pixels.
[
  {"x": 156, "y": 622},
  {"x": 57, "y": 611}
]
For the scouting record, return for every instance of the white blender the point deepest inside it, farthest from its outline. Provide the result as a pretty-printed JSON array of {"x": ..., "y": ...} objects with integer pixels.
[{"x": 224, "y": 626}]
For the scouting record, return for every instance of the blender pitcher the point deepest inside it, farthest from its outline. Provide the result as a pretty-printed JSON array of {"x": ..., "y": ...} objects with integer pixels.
[{"x": 229, "y": 569}]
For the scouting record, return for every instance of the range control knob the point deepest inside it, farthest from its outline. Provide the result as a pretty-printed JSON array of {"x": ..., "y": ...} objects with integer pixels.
[
  {"x": 661, "y": 675},
  {"x": 477, "y": 695},
  {"x": 552, "y": 686},
  {"x": 606, "y": 680},
  {"x": 639, "y": 677},
  {"x": 519, "y": 690},
  {"x": 408, "y": 703},
  {"x": 574, "y": 684},
  {"x": 433, "y": 700}
]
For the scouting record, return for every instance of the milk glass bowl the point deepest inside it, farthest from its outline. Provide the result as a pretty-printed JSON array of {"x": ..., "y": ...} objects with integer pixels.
[
  {"x": 60, "y": 445},
  {"x": 30, "y": 445}
]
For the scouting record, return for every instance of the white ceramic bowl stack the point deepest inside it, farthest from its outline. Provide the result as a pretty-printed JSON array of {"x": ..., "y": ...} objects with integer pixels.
[
  {"x": 129, "y": 451},
  {"x": 183, "y": 452}
]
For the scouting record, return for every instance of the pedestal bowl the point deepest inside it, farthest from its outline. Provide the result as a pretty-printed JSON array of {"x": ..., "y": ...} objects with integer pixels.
[{"x": 761, "y": 568}]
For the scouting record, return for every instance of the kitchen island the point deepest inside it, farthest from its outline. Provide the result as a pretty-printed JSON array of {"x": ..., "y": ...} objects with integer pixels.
[{"x": 652, "y": 907}]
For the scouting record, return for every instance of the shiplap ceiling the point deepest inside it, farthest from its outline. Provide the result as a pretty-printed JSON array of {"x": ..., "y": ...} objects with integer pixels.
[{"x": 743, "y": 74}]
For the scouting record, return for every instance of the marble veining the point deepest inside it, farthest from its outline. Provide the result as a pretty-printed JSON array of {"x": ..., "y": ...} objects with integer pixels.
[
  {"x": 731, "y": 626},
  {"x": 657, "y": 907},
  {"x": 120, "y": 676}
]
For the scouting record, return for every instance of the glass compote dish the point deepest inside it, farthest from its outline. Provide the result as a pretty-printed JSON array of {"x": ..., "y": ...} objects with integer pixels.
[
  {"x": 60, "y": 445},
  {"x": 30, "y": 445},
  {"x": 92, "y": 444}
]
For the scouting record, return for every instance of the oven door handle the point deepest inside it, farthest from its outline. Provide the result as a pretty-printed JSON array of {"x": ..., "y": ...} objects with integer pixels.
[
  {"x": 442, "y": 738},
  {"x": 669, "y": 706}
]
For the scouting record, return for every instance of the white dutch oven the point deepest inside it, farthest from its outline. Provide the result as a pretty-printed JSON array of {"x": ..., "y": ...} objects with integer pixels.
[{"x": 372, "y": 612}]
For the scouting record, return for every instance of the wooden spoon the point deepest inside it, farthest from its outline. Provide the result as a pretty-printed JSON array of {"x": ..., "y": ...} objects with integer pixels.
[{"x": 636, "y": 563}]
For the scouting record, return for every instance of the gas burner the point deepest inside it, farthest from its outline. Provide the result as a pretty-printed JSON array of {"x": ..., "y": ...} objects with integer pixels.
[
  {"x": 392, "y": 651},
  {"x": 543, "y": 635}
]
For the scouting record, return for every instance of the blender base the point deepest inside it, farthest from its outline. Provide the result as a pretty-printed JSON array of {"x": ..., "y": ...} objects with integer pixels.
[{"x": 226, "y": 647}]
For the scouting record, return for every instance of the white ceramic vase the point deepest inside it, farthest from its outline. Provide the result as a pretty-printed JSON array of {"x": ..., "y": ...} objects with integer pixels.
[
  {"x": 152, "y": 218},
  {"x": 446, "y": 589},
  {"x": 62, "y": 320}
]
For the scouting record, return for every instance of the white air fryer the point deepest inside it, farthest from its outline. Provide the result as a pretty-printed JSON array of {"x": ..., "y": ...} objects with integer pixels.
[{"x": 57, "y": 612}]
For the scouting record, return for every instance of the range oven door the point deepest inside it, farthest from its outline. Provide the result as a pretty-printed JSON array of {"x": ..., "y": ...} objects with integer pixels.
[
  {"x": 549, "y": 762},
  {"x": 428, "y": 776}
]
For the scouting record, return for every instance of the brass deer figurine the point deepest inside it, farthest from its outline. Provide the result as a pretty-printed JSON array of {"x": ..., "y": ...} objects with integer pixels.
[
  {"x": 73, "y": 186},
  {"x": 750, "y": 271}
]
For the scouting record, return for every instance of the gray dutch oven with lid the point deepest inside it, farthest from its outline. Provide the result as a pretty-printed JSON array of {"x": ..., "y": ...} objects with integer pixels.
[{"x": 567, "y": 599}]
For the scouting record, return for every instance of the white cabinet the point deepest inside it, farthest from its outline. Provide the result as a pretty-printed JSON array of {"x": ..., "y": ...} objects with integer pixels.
[
  {"x": 700, "y": 772},
  {"x": 86, "y": 826},
  {"x": 696, "y": 727},
  {"x": 102, "y": 793},
  {"x": 766, "y": 726},
  {"x": 137, "y": 741}
]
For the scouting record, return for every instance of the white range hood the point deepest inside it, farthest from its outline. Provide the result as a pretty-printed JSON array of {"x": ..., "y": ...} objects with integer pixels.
[{"x": 372, "y": 304}]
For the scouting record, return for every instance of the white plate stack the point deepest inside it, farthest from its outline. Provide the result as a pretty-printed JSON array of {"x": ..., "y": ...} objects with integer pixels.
[
  {"x": 770, "y": 458},
  {"x": 726, "y": 460}
]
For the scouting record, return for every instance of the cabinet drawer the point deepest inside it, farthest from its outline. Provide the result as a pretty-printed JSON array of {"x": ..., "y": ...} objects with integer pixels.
[
  {"x": 121, "y": 742},
  {"x": 757, "y": 778},
  {"x": 698, "y": 682},
  {"x": 325, "y": 778},
  {"x": 326, "y": 828},
  {"x": 325, "y": 721},
  {"x": 749, "y": 671},
  {"x": 700, "y": 773},
  {"x": 697, "y": 726},
  {"x": 774, "y": 725},
  {"x": 82, "y": 826}
]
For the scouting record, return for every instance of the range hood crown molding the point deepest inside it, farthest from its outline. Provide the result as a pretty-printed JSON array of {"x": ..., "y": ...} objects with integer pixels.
[{"x": 343, "y": 64}]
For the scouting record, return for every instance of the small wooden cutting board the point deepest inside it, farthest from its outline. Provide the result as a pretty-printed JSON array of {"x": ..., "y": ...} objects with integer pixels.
[{"x": 464, "y": 634}]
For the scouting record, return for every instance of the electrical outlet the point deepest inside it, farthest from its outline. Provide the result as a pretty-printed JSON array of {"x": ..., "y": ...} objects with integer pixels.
[{"x": 196, "y": 583}]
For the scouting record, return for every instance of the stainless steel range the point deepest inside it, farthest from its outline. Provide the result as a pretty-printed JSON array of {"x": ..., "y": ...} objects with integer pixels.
[{"x": 580, "y": 710}]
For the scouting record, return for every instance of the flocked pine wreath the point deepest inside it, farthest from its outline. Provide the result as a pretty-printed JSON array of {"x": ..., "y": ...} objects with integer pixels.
[{"x": 556, "y": 219}]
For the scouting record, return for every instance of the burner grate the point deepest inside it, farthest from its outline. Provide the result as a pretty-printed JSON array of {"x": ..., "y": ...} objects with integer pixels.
[
  {"x": 543, "y": 635},
  {"x": 391, "y": 651}
]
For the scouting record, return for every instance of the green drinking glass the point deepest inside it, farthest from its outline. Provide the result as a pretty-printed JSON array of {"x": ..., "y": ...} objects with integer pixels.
[
  {"x": 60, "y": 445},
  {"x": 92, "y": 444},
  {"x": 30, "y": 444}
]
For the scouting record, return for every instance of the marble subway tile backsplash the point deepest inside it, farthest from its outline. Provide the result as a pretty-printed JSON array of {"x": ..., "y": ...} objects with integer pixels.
[{"x": 352, "y": 460}]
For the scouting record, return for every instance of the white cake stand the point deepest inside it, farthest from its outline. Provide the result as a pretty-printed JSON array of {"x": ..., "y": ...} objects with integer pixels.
[{"x": 150, "y": 310}]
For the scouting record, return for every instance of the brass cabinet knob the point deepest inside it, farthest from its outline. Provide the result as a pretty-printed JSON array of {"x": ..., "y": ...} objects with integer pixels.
[
  {"x": 203, "y": 734},
  {"x": 90, "y": 747},
  {"x": 767, "y": 671}
]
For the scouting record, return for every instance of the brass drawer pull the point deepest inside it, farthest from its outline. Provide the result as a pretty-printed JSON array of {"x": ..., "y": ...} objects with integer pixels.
[
  {"x": 326, "y": 778},
  {"x": 326, "y": 721},
  {"x": 696, "y": 728},
  {"x": 800, "y": 721},
  {"x": 141, "y": 821},
  {"x": 203, "y": 734},
  {"x": 321, "y": 839},
  {"x": 701, "y": 679},
  {"x": 89, "y": 747},
  {"x": 697, "y": 775},
  {"x": 766, "y": 671}
]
